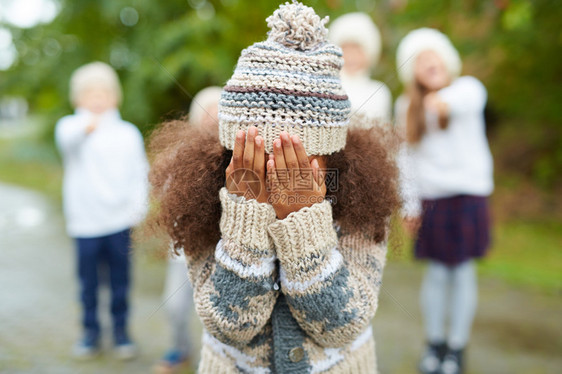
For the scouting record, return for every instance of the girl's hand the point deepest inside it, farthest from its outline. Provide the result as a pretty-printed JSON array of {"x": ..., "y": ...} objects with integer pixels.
[
  {"x": 293, "y": 180},
  {"x": 92, "y": 126},
  {"x": 245, "y": 175},
  {"x": 411, "y": 225},
  {"x": 434, "y": 104}
]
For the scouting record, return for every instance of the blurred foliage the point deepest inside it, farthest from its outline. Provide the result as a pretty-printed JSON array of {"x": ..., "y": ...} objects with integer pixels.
[
  {"x": 169, "y": 52},
  {"x": 165, "y": 52}
]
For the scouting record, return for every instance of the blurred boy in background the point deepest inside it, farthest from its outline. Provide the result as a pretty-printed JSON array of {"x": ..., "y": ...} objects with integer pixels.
[{"x": 104, "y": 195}]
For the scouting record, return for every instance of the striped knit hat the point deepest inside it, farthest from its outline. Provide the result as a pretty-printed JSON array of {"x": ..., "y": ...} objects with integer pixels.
[{"x": 290, "y": 82}]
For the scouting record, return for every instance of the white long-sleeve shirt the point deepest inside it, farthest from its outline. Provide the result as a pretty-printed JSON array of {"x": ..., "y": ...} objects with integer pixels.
[
  {"x": 456, "y": 160},
  {"x": 367, "y": 96},
  {"x": 374, "y": 100},
  {"x": 105, "y": 183}
]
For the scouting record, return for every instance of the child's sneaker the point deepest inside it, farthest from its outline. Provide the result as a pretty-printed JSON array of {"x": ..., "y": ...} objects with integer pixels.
[
  {"x": 430, "y": 362},
  {"x": 453, "y": 362},
  {"x": 172, "y": 362},
  {"x": 124, "y": 348},
  {"x": 88, "y": 347}
]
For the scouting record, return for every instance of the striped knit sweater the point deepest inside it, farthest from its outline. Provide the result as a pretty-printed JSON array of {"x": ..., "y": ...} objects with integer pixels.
[{"x": 286, "y": 296}]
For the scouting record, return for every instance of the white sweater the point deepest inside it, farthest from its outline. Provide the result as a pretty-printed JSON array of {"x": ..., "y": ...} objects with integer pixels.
[
  {"x": 456, "y": 160},
  {"x": 105, "y": 174},
  {"x": 373, "y": 99},
  {"x": 370, "y": 97}
]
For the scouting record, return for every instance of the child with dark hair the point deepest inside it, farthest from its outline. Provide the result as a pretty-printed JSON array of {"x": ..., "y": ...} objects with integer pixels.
[{"x": 286, "y": 261}]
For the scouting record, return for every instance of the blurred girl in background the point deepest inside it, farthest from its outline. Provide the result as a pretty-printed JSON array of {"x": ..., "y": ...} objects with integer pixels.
[
  {"x": 441, "y": 116},
  {"x": 178, "y": 293}
]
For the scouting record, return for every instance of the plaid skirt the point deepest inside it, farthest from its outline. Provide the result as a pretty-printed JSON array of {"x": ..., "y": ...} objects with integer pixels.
[{"x": 454, "y": 229}]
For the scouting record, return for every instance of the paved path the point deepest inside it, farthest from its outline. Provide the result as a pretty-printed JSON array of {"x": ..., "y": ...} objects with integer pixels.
[
  {"x": 516, "y": 330},
  {"x": 39, "y": 312}
]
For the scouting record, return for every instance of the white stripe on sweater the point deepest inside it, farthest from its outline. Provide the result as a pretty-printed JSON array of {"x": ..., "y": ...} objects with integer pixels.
[
  {"x": 243, "y": 360},
  {"x": 334, "y": 263},
  {"x": 334, "y": 354},
  {"x": 362, "y": 338},
  {"x": 265, "y": 268}
]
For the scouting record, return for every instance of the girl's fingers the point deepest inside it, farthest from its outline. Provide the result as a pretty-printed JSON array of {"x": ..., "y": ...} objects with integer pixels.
[
  {"x": 238, "y": 151},
  {"x": 289, "y": 152},
  {"x": 279, "y": 160},
  {"x": 229, "y": 168},
  {"x": 316, "y": 173},
  {"x": 272, "y": 180},
  {"x": 248, "y": 158},
  {"x": 259, "y": 158},
  {"x": 302, "y": 157}
]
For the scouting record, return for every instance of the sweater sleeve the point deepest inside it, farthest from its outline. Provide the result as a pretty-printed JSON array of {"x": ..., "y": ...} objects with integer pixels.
[
  {"x": 465, "y": 95},
  {"x": 386, "y": 98},
  {"x": 409, "y": 193},
  {"x": 234, "y": 288},
  {"x": 69, "y": 134},
  {"x": 411, "y": 203},
  {"x": 139, "y": 178},
  {"x": 331, "y": 284}
]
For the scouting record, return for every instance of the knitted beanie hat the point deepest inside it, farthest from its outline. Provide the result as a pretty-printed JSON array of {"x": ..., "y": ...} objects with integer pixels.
[
  {"x": 421, "y": 40},
  {"x": 358, "y": 28},
  {"x": 290, "y": 82}
]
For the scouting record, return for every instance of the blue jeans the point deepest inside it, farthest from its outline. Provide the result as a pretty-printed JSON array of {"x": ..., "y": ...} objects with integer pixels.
[{"x": 113, "y": 251}]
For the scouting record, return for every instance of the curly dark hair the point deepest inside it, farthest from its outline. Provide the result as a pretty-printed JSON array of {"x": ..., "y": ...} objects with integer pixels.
[{"x": 188, "y": 170}]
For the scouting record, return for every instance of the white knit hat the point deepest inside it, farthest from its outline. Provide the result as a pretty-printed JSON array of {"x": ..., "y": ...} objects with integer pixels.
[
  {"x": 421, "y": 40},
  {"x": 357, "y": 28},
  {"x": 94, "y": 74}
]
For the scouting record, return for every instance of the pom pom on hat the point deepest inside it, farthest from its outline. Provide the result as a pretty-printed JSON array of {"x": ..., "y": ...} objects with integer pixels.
[
  {"x": 297, "y": 26},
  {"x": 357, "y": 28},
  {"x": 421, "y": 40}
]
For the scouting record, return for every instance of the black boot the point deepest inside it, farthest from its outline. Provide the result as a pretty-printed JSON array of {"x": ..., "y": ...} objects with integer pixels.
[
  {"x": 453, "y": 362},
  {"x": 430, "y": 362}
]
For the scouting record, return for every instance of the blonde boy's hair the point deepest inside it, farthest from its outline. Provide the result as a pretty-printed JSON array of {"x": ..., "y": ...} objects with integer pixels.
[
  {"x": 201, "y": 103},
  {"x": 94, "y": 74}
]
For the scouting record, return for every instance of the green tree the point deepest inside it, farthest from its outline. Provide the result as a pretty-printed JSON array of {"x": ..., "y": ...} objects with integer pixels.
[{"x": 166, "y": 51}]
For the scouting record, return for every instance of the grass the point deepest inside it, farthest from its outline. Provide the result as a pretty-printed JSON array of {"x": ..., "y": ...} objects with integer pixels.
[
  {"x": 523, "y": 253},
  {"x": 32, "y": 174},
  {"x": 527, "y": 253},
  {"x": 29, "y": 160}
]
